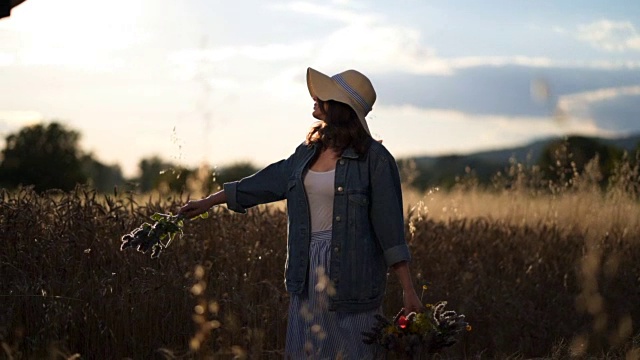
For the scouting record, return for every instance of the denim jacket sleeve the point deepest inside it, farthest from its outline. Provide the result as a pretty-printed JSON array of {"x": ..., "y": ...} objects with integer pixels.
[
  {"x": 387, "y": 216},
  {"x": 265, "y": 186}
]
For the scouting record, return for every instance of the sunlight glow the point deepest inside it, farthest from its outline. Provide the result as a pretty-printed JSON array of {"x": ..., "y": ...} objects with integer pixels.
[{"x": 73, "y": 32}]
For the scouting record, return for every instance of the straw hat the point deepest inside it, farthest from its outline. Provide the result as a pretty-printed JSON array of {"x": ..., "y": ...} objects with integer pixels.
[{"x": 349, "y": 87}]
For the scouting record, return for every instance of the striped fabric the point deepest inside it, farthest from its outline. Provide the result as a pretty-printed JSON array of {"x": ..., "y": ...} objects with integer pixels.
[
  {"x": 313, "y": 332},
  {"x": 342, "y": 82}
]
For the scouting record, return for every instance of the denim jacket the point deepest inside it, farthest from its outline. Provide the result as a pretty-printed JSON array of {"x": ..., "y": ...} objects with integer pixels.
[{"x": 368, "y": 225}]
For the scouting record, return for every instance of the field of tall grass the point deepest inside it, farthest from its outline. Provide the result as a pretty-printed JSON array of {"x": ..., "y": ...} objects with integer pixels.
[{"x": 539, "y": 271}]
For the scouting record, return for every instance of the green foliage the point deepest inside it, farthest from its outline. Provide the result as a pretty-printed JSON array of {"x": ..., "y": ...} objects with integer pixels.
[
  {"x": 235, "y": 172},
  {"x": 46, "y": 156},
  {"x": 156, "y": 173},
  {"x": 446, "y": 171},
  {"x": 417, "y": 333},
  {"x": 557, "y": 162},
  {"x": 158, "y": 236},
  {"x": 563, "y": 159},
  {"x": 100, "y": 176},
  {"x": 154, "y": 237}
]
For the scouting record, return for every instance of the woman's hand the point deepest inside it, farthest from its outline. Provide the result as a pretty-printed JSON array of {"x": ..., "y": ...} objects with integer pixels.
[
  {"x": 410, "y": 299},
  {"x": 411, "y": 302},
  {"x": 196, "y": 207}
]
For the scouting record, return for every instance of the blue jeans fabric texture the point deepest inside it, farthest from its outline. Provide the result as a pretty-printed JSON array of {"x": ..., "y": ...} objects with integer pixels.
[{"x": 368, "y": 225}]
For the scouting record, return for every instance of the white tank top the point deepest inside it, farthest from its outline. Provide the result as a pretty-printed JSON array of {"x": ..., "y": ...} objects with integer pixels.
[{"x": 320, "y": 192}]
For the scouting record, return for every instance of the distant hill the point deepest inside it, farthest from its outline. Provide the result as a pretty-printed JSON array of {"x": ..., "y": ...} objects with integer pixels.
[{"x": 442, "y": 170}]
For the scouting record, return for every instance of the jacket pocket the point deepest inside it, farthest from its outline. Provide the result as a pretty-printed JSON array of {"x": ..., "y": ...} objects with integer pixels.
[
  {"x": 359, "y": 199},
  {"x": 358, "y": 211}
]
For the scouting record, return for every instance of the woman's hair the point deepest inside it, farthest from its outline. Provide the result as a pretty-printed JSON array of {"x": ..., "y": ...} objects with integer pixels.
[{"x": 340, "y": 129}]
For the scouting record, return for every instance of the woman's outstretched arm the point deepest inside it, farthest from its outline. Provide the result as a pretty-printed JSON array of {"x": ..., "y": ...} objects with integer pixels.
[{"x": 196, "y": 207}]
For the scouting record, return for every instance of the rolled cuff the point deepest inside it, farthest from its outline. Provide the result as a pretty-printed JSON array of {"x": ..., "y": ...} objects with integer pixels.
[
  {"x": 397, "y": 254},
  {"x": 231, "y": 192}
]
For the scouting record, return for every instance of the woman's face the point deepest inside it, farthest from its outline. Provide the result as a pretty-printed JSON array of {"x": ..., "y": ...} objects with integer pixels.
[{"x": 319, "y": 109}]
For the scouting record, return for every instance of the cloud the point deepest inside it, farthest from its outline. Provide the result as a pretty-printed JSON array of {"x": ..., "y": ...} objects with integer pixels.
[
  {"x": 340, "y": 12},
  {"x": 589, "y": 104},
  {"x": 498, "y": 90},
  {"x": 589, "y": 97},
  {"x": 269, "y": 52},
  {"x": 74, "y": 33},
  {"x": 368, "y": 41},
  {"x": 610, "y": 35},
  {"x": 409, "y": 130}
]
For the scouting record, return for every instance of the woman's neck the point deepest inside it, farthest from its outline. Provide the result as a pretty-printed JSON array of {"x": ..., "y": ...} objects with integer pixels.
[{"x": 326, "y": 160}]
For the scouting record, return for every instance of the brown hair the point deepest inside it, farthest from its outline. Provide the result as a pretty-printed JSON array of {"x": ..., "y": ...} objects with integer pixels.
[{"x": 340, "y": 129}]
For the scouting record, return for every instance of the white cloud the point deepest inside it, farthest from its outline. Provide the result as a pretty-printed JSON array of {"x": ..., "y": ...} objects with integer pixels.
[
  {"x": 75, "y": 33},
  {"x": 579, "y": 104},
  {"x": 269, "y": 52},
  {"x": 368, "y": 42},
  {"x": 474, "y": 61},
  {"x": 379, "y": 47},
  {"x": 610, "y": 35},
  {"x": 408, "y": 130},
  {"x": 340, "y": 12}
]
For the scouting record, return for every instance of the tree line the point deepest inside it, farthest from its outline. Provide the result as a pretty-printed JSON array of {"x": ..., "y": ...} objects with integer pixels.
[
  {"x": 48, "y": 156},
  {"x": 559, "y": 162}
]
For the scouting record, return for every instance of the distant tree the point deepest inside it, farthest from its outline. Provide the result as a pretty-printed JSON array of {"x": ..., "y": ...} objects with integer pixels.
[
  {"x": 235, "y": 172},
  {"x": 46, "y": 156},
  {"x": 560, "y": 159},
  {"x": 446, "y": 171},
  {"x": 100, "y": 176},
  {"x": 157, "y": 174}
]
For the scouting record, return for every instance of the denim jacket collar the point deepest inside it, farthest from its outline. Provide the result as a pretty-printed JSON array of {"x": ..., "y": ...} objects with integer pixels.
[{"x": 350, "y": 153}]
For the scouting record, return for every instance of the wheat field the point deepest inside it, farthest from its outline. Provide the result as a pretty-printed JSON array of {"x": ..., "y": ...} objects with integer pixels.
[{"x": 551, "y": 274}]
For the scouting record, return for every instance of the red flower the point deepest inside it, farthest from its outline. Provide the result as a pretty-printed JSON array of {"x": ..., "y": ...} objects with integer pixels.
[{"x": 403, "y": 322}]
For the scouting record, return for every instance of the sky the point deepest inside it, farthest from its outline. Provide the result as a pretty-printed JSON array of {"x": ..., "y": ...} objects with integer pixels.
[{"x": 219, "y": 82}]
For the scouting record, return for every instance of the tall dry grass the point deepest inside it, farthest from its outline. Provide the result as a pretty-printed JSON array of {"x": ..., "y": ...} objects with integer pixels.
[{"x": 539, "y": 271}]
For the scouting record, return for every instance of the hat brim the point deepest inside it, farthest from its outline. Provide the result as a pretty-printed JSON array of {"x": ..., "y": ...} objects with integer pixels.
[{"x": 325, "y": 88}]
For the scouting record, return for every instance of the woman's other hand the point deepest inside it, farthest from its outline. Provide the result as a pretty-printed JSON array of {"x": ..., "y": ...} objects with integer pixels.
[
  {"x": 411, "y": 302},
  {"x": 410, "y": 298}
]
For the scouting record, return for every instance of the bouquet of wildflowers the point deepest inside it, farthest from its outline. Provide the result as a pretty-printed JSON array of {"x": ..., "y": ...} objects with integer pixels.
[
  {"x": 416, "y": 334},
  {"x": 157, "y": 236}
]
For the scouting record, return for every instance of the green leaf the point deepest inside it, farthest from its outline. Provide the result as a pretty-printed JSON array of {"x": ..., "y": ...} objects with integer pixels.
[
  {"x": 204, "y": 215},
  {"x": 157, "y": 217}
]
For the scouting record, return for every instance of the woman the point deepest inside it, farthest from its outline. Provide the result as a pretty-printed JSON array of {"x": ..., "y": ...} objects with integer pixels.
[{"x": 346, "y": 225}]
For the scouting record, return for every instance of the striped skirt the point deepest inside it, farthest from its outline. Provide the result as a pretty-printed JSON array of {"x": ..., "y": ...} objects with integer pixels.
[{"x": 314, "y": 332}]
